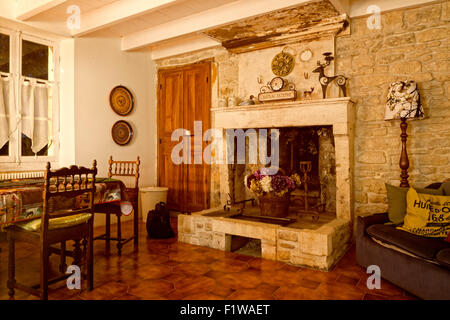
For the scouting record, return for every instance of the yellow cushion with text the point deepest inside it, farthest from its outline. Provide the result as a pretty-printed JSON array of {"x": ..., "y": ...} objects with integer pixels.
[{"x": 427, "y": 215}]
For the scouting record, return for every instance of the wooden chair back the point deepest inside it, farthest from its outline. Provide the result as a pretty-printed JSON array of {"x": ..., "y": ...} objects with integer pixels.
[
  {"x": 70, "y": 182},
  {"x": 124, "y": 169}
]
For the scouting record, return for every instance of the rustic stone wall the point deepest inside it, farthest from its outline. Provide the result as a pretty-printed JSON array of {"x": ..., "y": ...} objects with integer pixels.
[{"x": 411, "y": 44}]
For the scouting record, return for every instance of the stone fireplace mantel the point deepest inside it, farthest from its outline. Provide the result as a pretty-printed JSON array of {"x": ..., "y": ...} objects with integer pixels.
[{"x": 338, "y": 113}]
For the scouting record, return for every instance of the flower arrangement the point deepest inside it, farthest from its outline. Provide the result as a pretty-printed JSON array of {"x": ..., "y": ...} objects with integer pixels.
[{"x": 261, "y": 183}]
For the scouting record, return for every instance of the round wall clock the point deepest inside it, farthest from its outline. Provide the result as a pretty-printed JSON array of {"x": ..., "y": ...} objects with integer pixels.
[
  {"x": 121, "y": 100},
  {"x": 283, "y": 64},
  {"x": 277, "y": 84},
  {"x": 122, "y": 132}
]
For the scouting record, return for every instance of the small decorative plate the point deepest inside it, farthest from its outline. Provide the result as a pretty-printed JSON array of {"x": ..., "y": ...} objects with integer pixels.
[
  {"x": 306, "y": 55},
  {"x": 121, "y": 100},
  {"x": 122, "y": 132}
]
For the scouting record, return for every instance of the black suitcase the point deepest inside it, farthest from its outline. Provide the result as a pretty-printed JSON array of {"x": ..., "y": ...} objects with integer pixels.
[{"x": 158, "y": 222}]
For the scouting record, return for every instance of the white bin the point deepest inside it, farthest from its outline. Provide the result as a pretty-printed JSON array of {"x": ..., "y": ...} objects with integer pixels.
[{"x": 149, "y": 197}]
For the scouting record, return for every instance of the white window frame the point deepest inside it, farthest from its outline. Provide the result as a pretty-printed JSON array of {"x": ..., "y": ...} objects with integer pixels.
[
  {"x": 15, "y": 160},
  {"x": 12, "y": 119}
]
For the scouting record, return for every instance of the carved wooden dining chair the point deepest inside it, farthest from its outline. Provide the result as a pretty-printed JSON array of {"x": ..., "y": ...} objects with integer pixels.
[
  {"x": 67, "y": 214},
  {"x": 121, "y": 169}
]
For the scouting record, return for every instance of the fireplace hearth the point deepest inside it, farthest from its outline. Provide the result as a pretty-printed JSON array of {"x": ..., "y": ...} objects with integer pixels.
[
  {"x": 306, "y": 151},
  {"x": 319, "y": 132}
]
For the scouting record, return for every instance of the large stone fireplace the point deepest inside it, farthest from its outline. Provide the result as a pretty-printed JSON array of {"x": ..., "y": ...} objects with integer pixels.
[{"x": 301, "y": 238}]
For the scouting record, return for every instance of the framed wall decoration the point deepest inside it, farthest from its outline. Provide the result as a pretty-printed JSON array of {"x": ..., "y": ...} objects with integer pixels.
[
  {"x": 121, "y": 100},
  {"x": 122, "y": 132}
]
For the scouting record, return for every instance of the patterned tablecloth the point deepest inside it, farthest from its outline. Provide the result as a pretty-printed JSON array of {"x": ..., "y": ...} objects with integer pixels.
[{"x": 21, "y": 200}]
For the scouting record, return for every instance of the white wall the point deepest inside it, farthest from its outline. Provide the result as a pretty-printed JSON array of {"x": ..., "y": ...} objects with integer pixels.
[
  {"x": 99, "y": 66},
  {"x": 67, "y": 103}
]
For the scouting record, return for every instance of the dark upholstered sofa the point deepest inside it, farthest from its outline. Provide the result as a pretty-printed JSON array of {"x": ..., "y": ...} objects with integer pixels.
[{"x": 417, "y": 264}]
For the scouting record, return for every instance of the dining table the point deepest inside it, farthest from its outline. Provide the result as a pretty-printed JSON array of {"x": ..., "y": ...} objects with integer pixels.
[{"x": 22, "y": 200}]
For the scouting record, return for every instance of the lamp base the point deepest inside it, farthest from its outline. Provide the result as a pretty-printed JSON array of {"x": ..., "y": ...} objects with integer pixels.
[{"x": 404, "y": 161}]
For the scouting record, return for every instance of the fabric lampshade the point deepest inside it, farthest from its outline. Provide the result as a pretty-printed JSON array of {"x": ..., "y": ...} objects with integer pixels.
[{"x": 403, "y": 101}]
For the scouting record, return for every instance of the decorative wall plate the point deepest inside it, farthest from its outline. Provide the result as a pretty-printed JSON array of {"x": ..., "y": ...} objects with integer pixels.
[
  {"x": 122, "y": 132},
  {"x": 121, "y": 100},
  {"x": 283, "y": 64},
  {"x": 306, "y": 55}
]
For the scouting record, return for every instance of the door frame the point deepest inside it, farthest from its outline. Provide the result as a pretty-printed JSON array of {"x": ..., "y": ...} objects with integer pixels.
[{"x": 183, "y": 67}]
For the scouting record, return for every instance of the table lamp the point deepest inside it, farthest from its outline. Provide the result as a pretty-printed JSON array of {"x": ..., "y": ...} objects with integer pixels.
[{"x": 403, "y": 102}]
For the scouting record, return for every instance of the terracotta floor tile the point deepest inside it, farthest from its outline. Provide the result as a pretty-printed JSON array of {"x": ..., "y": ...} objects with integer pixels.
[
  {"x": 310, "y": 284},
  {"x": 248, "y": 279},
  {"x": 229, "y": 266},
  {"x": 296, "y": 293},
  {"x": 192, "y": 268},
  {"x": 353, "y": 271},
  {"x": 174, "y": 277},
  {"x": 107, "y": 291},
  {"x": 172, "y": 263},
  {"x": 222, "y": 291},
  {"x": 339, "y": 291},
  {"x": 242, "y": 257},
  {"x": 288, "y": 267},
  {"x": 167, "y": 269},
  {"x": 347, "y": 280},
  {"x": 189, "y": 256},
  {"x": 268, "y": 287},
  {"x": 203, "y": 296},
  {"x": 251, "y": 294},
  {"x": 265, "y": 265},
  {"x": 147, "y": 258},
  {"x": 214, "y": 274},
  {"x": 151, "y": 289},
  {"x": 387, "y": 288},
  {"x": 127, "y": 297},
  {"x": 319, "y": 276},
  {"x": 153, "y": 271},
  {"x": 369, "y": 296},
  {"x": 190, "y": 286},
  {"x": 218, "y": 254},
  {"x": 281, "y": 277}
]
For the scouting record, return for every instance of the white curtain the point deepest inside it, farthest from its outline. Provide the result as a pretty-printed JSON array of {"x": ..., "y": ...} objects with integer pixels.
[
  {"x": 35, "y": 106},
  {"x": 6, "y": 108}
]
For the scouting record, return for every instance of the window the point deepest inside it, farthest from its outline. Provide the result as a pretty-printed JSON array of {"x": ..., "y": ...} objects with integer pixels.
[
  {"x": 29, "y": 103},
  {"x": 4, "y": 71}
]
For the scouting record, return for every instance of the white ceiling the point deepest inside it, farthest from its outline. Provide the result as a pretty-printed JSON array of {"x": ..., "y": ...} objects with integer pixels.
[
  {"x": 176, "y": 11},
  {"x": 153, "y": 23}
]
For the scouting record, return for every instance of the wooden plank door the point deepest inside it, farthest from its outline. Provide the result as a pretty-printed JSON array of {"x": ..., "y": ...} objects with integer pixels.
[
  {"x": 170, "y": 118},
  {"x": 185, "y": 95},
  {"x": 197, "y": 100}
]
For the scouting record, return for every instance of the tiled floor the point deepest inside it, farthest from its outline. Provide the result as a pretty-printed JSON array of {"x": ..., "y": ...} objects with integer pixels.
[{"x": 166, "y": 269}]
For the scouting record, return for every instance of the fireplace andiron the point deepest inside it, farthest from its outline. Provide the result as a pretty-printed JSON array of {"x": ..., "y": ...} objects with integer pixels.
[
  {"x": 231, "y": 202},
  {"x": 305, "y": 169}
]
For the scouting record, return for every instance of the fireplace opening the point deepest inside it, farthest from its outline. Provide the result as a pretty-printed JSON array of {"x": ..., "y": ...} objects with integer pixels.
[
  {"x": 245, "y": 246},
  {"x": 307, "y": 151}
]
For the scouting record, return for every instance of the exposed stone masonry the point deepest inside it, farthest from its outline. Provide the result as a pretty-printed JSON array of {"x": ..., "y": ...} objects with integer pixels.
[{"x": 411, "y": 44}]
